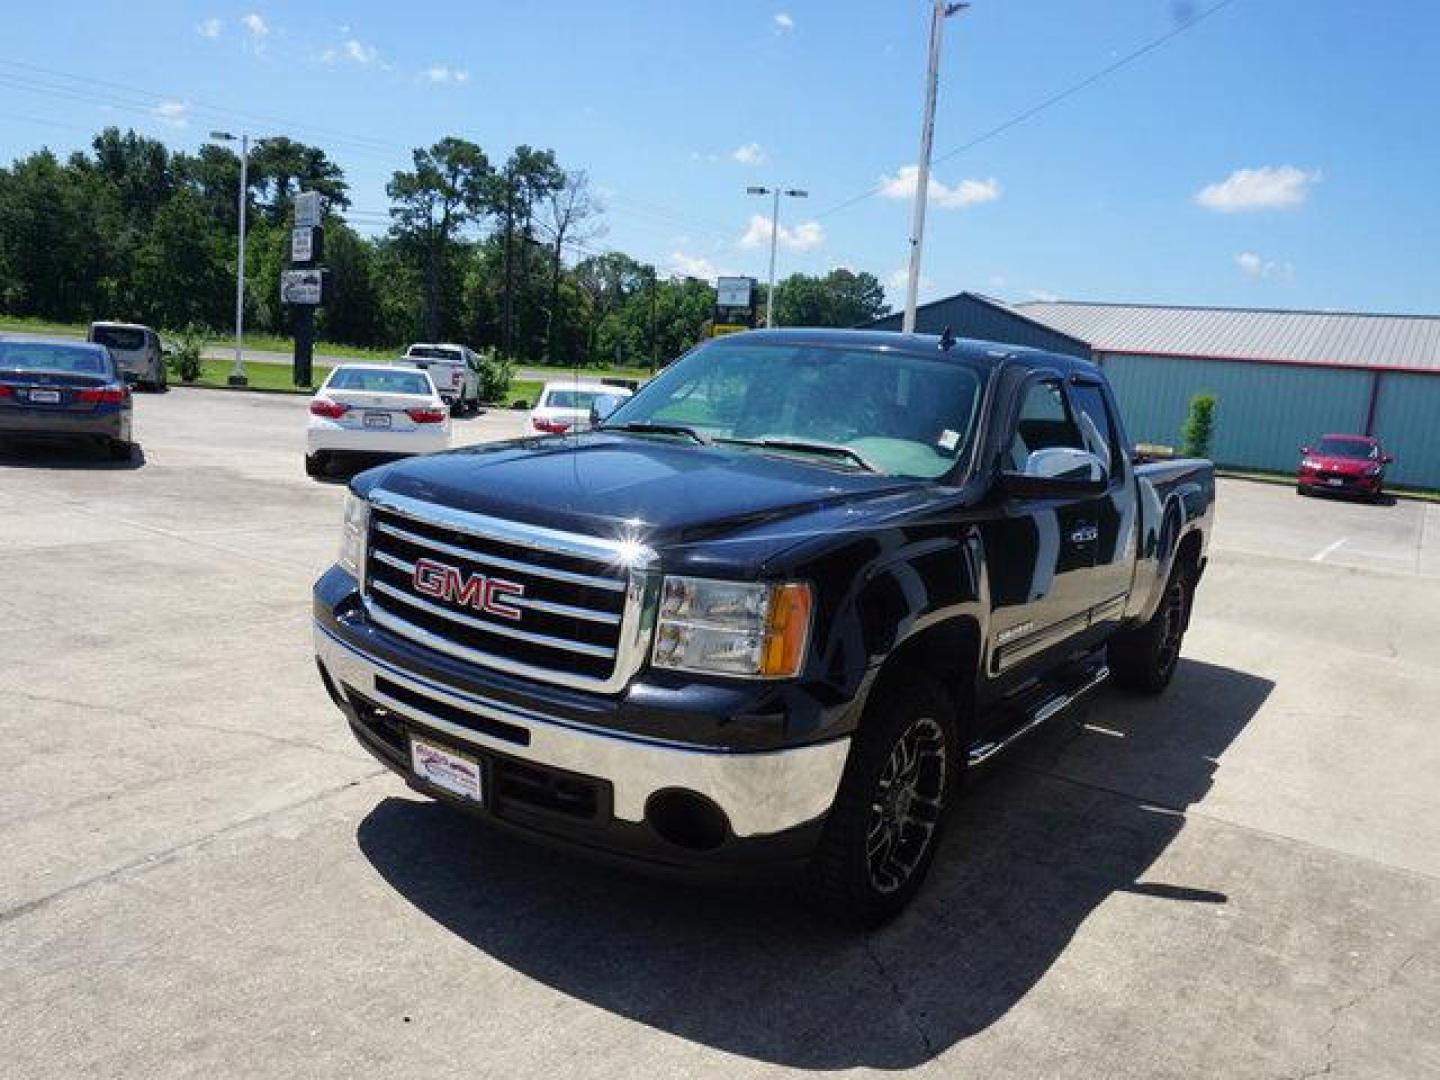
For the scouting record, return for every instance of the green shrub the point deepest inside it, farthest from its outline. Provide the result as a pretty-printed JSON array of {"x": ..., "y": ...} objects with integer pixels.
[
  {"x": 495, "y": 375},
  {"x": 1199, "y": 426},
  {"x": 190, "y": 343}
]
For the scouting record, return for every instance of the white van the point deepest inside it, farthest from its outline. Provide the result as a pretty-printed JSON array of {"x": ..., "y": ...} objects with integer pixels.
[
  {"x": 455, "y": 371},
  {"x": 136, "y": 349}
]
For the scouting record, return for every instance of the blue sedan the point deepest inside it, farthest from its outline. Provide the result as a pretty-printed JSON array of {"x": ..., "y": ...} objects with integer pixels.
[{"x": 65, "y": 389}]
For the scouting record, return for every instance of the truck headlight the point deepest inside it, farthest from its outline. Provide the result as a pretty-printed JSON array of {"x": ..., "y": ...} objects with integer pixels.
[
  {"x": 747, "y": 629},
  {"x": 353, "y": 535}
]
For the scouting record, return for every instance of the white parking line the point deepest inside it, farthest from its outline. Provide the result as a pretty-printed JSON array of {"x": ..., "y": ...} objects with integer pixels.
[{"x": 1327, "y": 550}]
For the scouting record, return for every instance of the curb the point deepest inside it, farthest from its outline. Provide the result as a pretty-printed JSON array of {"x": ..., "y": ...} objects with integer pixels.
[{"x": 243, "y": 389}]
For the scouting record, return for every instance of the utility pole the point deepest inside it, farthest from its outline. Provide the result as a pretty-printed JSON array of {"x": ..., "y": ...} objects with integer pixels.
[
  {"x": 237, "y": 372},
  {"x": 776, "y": 192},
  {"x": 940, "y": 11}
]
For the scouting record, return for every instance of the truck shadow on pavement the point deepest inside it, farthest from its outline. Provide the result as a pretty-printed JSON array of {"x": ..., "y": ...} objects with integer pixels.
[
  {"x": 22, "y": 453},
  {"x": 1033, "y": 849}
]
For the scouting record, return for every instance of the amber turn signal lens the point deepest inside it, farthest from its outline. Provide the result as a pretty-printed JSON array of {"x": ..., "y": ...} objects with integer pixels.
[{"x": 787, "y": 630}]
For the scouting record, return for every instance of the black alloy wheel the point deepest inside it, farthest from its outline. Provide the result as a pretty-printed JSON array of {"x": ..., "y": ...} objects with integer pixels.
[
  {"x": 888, "y": 817},
  {"x": 908, "y": 800}
]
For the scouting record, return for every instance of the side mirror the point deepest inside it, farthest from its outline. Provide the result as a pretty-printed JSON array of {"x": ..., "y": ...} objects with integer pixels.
[
  {"x": 1304, "y": 449},
  {"x": 603, "y": 407},
  {"x": 1386, "y": 459},
  {"x": 1057, "y": 472}
]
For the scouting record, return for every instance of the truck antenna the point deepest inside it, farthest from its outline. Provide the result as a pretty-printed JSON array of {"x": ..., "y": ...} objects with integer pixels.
[{"x": 947, "y": 339}]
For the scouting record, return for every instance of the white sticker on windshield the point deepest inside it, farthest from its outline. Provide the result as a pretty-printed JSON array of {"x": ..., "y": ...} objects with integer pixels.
[{"x": 949, "y": 439}]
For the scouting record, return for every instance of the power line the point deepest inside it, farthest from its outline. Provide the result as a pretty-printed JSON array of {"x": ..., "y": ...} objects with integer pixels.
[
  {"x": 1049, "y": 102},
  {"x": 142, "y": 102},
  {"x": 151, "y": 97}
]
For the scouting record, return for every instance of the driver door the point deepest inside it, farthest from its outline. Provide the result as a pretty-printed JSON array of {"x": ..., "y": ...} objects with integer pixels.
[{"x": 1041, "y": 551}]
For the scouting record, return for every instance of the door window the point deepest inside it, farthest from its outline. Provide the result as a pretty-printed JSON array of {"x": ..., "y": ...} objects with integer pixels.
[{"x": 1044, "y": 422}]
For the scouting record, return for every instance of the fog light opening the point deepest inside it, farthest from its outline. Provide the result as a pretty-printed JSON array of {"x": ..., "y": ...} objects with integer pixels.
[{"x": 687, "y": 820}]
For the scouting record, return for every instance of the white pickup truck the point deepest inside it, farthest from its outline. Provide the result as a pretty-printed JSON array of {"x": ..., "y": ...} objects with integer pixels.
[{"x": 455, "y": 371}]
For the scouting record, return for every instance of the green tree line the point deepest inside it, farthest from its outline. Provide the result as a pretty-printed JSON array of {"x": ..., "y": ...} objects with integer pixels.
[{"x": 493, "y": 253}]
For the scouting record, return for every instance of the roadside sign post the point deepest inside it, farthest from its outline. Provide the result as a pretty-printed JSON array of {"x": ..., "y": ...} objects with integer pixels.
[
  {"x": 303, "y": 285},
  {"x": 734, "y": 306}
]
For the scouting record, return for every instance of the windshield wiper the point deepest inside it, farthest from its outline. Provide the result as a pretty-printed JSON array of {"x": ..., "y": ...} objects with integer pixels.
[
  {"x": 803, "y": 446},
  {"x": 641, "y": 427}
]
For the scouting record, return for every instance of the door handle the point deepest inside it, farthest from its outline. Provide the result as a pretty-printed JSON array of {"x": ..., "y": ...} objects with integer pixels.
[{"x": 1085, "y": 534}]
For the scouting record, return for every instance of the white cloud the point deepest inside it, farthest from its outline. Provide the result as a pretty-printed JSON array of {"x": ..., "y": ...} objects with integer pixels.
[
  {"x": 752, "y": 153},
  {"x": 360, "y": 52},
  {"x": 898, "y": 281},
  {"x": 444, "y": 73},
  {"x": 1270, "y": 187},
  {"x": 783, "y": 22},
  {"x": 209, "y": 28},
  {"x": 696, "y": 266},
  {"x": 806, "y": 236},
  {"x": 1044, "y": 296},
  {"x": 174, "y": 113},
  {"x": 255, "y": 25},
  {"x": 965, "y": 193},
  {"x": 1252, "y": 265},
  {"x": 353, "y": 50}
]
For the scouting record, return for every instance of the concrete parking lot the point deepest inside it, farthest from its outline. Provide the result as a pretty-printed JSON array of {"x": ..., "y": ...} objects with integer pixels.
[{"x": 204, "y": 876}]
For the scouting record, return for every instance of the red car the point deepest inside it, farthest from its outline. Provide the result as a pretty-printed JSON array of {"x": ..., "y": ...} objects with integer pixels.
[{"x": 1345, "y": 464}]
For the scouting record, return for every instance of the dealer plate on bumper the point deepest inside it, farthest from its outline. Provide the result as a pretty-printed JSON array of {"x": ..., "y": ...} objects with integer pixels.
[{"x": 455, "y": 773}]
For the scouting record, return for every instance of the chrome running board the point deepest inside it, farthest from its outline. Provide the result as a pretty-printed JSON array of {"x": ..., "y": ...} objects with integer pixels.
[{"x": 1045, "y": 710}]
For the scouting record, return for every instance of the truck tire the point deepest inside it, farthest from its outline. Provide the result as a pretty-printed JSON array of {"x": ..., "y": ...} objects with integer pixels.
[
  {"x": 1146, "y": 657},
  {"x": 889, "y": 813},
  {"x": 119, "y": 449}
]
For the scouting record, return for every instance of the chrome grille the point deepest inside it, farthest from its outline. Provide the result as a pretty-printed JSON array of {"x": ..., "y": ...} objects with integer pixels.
[{"x": 580, "y": 611}]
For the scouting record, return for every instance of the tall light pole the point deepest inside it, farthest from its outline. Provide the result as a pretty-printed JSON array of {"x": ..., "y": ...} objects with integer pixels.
[
  {"x": 776, "y": 192},
  {"x": 237, "y": 372},
  {"x": 940, "y": 11}
]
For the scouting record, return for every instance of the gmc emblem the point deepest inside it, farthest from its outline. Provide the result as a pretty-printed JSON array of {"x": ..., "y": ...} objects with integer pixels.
[{"x": 446, "y": 582}]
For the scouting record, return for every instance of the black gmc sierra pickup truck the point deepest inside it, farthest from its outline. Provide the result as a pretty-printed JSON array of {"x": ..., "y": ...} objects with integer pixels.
[{"x": 772, "y": 609}]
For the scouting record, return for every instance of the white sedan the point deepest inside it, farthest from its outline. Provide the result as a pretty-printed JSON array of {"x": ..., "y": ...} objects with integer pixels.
[
  {"x": 565, "y": 406},
  {"x": 374, "y": 410}
]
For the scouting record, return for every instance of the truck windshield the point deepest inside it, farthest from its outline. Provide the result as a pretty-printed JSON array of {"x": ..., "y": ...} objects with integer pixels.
[{"x": 902, "y": 414}]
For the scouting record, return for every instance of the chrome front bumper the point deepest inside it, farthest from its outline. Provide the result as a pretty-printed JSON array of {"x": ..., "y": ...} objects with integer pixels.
[{"x": 760, "y": 792}]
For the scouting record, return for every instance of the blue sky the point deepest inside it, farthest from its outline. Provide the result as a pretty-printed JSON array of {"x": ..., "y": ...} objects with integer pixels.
[{"x": 1279, "y": 153}]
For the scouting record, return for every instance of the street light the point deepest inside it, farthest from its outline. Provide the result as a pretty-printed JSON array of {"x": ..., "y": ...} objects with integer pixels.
[
  {"x": 941, "y": 11},
  {"x": 776, "y": 192},
  {"x": 237, "y": 372}
]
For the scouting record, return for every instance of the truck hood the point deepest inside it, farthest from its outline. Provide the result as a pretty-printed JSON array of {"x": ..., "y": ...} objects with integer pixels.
[{"x": 662, "y": 492}]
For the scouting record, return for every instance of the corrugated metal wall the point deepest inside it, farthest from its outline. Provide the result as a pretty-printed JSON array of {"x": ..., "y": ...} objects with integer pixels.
[
  {"x": 1264, "y": 412},
  {"x": 970, "y": 317},
  {"x": 1407, "y": 420}
]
